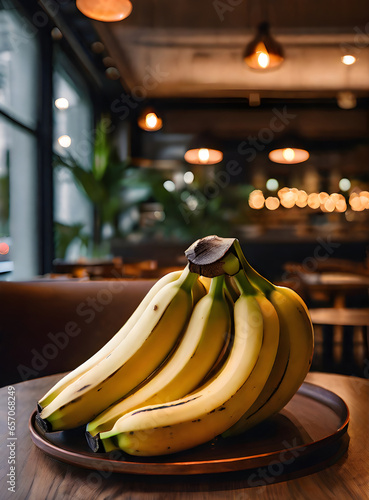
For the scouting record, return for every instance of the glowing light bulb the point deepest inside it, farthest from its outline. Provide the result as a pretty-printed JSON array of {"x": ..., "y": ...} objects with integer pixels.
[
  {"x": 62, "y": 103},
  {"x": 272, "y": 203},
  {"x": 169, "y": 186},
  {"x": 288, "y": 199},
  {"x": 272, "y": 184},
  {"x": 323, "y": 197},
  {"x": 348, "y": 59},
  {"x": 302, "y": 199},
  {"x": 64, "y": 141},
  {"x": 188, "y": 177},
  {"x": 151, "y": 120},
  {"x": 288, "y": 154},
  {"x": 203, "y": 155},
  {"x": 313, "y": 200},
  {"x": 256, "y": 199},
  {"x": 344, "y": 184},
  {"x": 341, "y": 205},
  {"x": 263, "y": 59},
  {"x": 329, "y": 204}
]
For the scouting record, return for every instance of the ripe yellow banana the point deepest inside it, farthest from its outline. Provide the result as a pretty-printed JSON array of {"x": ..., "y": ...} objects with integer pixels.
[
  {"x": 206, "y": 413},
  {"x": 195, "y": 355},
  {"x": 112, "y": 344},
  {"x": 135, "y": 358},
  {"x": 273, "y": 382},
  {"x": 296, "y": 326}
]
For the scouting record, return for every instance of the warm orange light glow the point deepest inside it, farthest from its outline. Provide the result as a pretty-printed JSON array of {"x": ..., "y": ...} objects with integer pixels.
[
  {"x": 302, "y": 199},
  {"x": 341, "y": 205},
  {"x": 150, "y": 121},
  {"x": 288, "y": 199},
  {"x": 346, "y": 99},
  {"x": 272, "y": 203},
  {"x": 289, "y": 155},
  {"x": 262, "y": 55},
  {"x": 356, "y": 204},
  {"x": 313, "y": 200},
  {"x": 263, "y": 51},
  {"x": 348, "y": 59},
  {"x": 282, "y": 191},
  {"x": 105, "y": 10},
  {"x": 203, "y": 156},
  {"x": 323, "y": 196},
  {"x": 364, "y": 197},
  {"x": 329, "y": 204},
  {"x": 4, "y": 248},
  {"x": 256, "y": 199}
]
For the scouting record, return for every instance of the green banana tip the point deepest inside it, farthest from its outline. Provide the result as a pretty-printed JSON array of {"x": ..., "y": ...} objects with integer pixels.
[{"x": 231, "y": 264}]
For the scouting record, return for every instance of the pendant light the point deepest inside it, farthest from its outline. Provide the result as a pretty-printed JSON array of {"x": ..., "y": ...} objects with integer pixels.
[
  {"x": 289, "y": 150},
  {"x": 105, "y": 10},
  {"x": 149, "y": 120},
  {"x": 264, "y": 51},
  {"x": 289, "y": 155},
  {"x": 203, "y": 151}
]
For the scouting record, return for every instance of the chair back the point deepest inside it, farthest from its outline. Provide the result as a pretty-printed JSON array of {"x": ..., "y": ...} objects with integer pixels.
[{"x": 52, "y": 326}]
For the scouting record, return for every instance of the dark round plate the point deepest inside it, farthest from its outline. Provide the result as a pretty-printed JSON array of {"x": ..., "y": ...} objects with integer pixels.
[{"x": 310, "y": 427}]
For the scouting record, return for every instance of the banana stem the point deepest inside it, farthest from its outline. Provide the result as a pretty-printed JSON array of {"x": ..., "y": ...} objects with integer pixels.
[
  {"x": 187, "y": 279},
  {"x": 243, "y": 283},
  {"x": 259, "y": 281},
  {"x": 217, "y": 286},
  {"x": 230, "y": 264}
]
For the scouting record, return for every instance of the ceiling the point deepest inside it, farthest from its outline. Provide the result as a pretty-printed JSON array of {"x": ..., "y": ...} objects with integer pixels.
[
  {"x": 185, "y": 58},
  {"x": 192, "y": 48}
]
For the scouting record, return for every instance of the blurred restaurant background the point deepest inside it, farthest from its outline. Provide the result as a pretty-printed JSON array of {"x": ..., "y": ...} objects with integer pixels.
[{"x": 122, "y": 142}]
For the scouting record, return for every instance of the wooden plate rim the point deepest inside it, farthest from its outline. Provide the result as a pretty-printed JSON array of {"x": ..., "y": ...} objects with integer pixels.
[{"x": 97, "y": 462}]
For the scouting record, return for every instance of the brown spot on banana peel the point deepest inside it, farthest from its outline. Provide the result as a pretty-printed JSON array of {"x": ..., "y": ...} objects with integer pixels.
[
  {"x": 74, "y": 400},
  {"x": 144, "y": 410},
  {"x": 84, "y": 387}
]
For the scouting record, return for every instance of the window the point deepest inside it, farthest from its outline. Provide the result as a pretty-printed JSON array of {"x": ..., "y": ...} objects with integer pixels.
[
  {"x": 73, "y": 130},
  {"x": 19, "y": 52}
]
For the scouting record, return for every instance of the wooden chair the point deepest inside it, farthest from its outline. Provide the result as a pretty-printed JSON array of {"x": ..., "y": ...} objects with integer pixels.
[{"x": 339, "y": 320}]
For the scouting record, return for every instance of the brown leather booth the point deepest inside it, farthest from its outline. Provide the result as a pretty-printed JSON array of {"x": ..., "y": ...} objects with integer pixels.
[{"x": 48, "y": 327}]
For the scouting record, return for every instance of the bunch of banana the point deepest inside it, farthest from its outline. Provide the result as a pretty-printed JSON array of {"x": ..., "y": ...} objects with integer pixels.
[
  {"x": 212, "y": 350},
  {"x": 124, "y": 363},
  {"x": 207, "y": 412}
]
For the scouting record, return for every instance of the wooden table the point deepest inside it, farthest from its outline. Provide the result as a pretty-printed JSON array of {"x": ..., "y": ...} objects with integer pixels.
[
  {"x": 337, "y": 285},
  {"x": 39, "y": 477}
]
